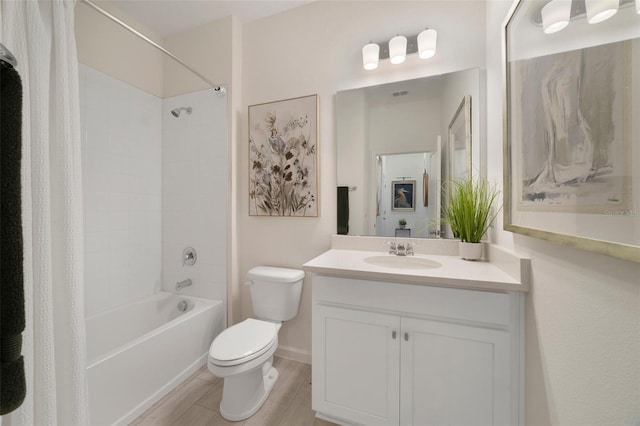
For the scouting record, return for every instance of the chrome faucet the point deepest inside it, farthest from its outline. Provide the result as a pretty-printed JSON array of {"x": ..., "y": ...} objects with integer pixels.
[
  {"x": 401, "y": 249},
  {"x": 183, "y": 284}
]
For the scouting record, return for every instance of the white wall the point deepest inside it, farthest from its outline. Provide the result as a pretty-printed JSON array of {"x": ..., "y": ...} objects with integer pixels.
[
  {"x": 107, "y": 47},
  {"x": 583, "y": 311},
  {"x": 194, "y": 193},
  {"x": 316, "y": 48},
  {"x": 121, "y": 145},
  {"x": 207, "y": 49}
]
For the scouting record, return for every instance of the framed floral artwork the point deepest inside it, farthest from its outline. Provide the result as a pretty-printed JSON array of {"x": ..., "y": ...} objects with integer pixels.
[{"x": 283, "y": 158}]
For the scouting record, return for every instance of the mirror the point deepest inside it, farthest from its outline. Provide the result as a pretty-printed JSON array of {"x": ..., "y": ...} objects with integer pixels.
[{"x": 396, "y": 143}]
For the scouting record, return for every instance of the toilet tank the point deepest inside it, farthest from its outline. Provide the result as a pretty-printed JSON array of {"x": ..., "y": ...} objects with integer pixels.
[{"x": 275, "y": 292}]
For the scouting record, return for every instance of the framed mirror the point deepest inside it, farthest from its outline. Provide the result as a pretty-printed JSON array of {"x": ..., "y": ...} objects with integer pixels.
[
  {"x": 572, "y": 137},
  {"x": 399, "y": 132}
]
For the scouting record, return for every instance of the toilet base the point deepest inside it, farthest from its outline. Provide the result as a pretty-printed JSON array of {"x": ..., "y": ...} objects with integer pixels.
[{"x": 244, "y": 394}]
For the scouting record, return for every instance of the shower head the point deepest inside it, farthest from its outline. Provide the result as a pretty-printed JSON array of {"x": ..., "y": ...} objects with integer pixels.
[{"x": 176, "y": 112}]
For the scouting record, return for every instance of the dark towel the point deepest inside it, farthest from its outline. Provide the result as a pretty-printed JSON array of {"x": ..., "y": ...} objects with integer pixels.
[
  {"x": 343, "y": 210},
  {"x": 12, "y": 320}
]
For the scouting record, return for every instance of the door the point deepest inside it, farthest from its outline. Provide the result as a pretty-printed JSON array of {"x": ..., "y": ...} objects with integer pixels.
[
  {"x": 453, "y": 374},
  {"x": 356, "y": 365}
]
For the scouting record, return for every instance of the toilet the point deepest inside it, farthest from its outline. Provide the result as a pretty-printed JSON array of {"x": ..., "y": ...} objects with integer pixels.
[{"x": 243, "y": 354}]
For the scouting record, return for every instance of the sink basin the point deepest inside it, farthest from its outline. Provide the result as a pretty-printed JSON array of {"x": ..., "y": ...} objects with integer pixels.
[{"x": 402, "y": 262}]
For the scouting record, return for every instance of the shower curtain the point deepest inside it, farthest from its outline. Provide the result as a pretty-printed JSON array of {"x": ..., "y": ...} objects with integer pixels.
[{"x": 41, "y": 36}]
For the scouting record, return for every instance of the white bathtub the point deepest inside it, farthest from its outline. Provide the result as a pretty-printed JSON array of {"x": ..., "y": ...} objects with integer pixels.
[{"x": 138, "y": 352}]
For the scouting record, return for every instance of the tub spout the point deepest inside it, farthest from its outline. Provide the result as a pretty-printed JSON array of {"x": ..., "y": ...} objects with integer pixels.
[{"x": 183, "y": 284}]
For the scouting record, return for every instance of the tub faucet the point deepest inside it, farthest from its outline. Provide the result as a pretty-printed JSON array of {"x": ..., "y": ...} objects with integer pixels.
[{"x": 183, "y": 284}]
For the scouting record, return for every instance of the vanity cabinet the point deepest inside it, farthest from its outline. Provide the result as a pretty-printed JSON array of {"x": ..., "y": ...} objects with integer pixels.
[{"x": 391, "y": 353}]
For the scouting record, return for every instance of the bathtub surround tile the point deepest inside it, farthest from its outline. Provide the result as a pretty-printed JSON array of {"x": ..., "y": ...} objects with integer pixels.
[
  {"x": 194, "y": 192},
  {"x": 121, "y": 129},
  {"x": 288, "y": 405}
]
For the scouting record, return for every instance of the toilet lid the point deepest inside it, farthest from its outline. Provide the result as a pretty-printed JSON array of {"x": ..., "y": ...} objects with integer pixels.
[{"x": 243, "y": 341}]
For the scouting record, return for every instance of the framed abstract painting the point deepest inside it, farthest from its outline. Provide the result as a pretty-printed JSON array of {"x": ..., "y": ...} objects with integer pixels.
[{"x": 571, "y": 128}]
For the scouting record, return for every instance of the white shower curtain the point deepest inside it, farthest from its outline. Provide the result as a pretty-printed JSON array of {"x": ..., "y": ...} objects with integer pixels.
[{"x": 41, "y": 36}]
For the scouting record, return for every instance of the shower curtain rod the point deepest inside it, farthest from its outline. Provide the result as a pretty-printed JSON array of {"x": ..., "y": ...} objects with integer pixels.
[
  {"x": 148, "y": 40},
  {"x": 7, "y": 57}
]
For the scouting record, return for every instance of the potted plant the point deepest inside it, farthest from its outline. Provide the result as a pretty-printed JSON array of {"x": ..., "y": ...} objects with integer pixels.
[
  {"x": 402, "y": 223},
  {"x": 469, "y": 213}
]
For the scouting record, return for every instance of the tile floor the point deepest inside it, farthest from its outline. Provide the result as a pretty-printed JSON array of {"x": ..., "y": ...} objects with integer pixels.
[{"x": 196, "y": 401}]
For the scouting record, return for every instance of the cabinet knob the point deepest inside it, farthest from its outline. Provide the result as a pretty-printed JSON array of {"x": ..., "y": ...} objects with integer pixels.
[
  {"x": 406, "y": 337},
  {"x": 393, "y": 334}
]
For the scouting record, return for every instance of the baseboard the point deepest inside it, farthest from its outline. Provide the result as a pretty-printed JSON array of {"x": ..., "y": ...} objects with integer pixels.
[{"x": 294, "y": 354}]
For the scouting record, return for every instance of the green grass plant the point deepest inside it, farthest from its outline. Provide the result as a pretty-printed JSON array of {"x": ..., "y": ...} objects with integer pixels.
[{"x": 468, "y": 210}]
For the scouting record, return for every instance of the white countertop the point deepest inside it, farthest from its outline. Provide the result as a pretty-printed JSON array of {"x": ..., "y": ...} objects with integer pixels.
[{"x": 453, "y": 272}]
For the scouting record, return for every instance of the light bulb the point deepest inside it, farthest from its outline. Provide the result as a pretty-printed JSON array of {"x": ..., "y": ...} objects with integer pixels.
[
  {"x": 556, "y": 15},
  {"x": 370, "y": 55},
  {"x": 427, "y": 43},
  {"x": 398, "y": 49},
  {"x": 601, "y": 10}
]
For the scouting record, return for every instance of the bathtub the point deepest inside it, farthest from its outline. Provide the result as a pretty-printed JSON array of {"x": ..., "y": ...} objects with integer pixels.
[{"x": 138, "y": 352}]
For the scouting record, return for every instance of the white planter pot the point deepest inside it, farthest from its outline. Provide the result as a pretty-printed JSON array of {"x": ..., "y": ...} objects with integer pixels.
[{"x": 470, "y": 251}]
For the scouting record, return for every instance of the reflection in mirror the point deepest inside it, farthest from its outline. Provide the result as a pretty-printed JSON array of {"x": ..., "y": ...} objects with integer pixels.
[
  {"x": 400, "y": 132},
  {"x": 459, "y": 141},
  {"x": 407, "y": 190}
]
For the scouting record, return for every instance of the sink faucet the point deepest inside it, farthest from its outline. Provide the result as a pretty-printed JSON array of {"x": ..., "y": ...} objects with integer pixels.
[
  {"x": 401, "y": 249},
  {"x": 183, "y": 284}
]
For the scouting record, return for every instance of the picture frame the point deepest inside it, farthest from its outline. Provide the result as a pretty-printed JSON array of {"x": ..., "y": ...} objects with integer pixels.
[
  {"x": 459, "y": 142},
  {"x": 283, "y": 158},
  {"x": 571, "y": 147},
  {"x": 403, "y": 195}
]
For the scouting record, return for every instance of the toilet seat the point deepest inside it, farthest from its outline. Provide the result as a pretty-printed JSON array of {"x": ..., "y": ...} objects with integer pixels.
[{"x": 243, "y": 342}]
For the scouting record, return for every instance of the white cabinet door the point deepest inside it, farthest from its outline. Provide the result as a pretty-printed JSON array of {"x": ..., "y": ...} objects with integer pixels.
[
  {"x": 453, "y": 374},
  {"x": 356, "y": 365}
]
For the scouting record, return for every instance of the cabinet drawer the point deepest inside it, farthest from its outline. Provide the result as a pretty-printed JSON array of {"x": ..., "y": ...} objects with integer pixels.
[{"x": 421, "y": 300}]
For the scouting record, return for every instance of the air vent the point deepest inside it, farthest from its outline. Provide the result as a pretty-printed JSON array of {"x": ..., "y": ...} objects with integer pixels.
[{"x": 402, "y": 93}]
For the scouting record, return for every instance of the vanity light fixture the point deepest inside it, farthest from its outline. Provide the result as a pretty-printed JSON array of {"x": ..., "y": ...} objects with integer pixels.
[
  {"x": 556, "y": 15},
  {"x": 370, "y": 55},
  {"x": 601, "y": 10},
  {"x": 427, "y": 43},
  {"x": 397, "y": 49}
]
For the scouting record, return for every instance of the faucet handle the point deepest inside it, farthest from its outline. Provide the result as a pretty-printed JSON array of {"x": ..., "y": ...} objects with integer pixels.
[
  {"x": 392, "y": 247},
  {"x": 409, "y": 248}
]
